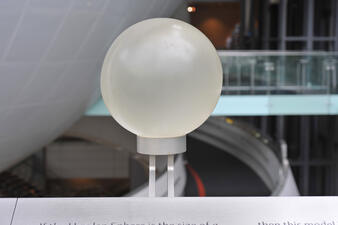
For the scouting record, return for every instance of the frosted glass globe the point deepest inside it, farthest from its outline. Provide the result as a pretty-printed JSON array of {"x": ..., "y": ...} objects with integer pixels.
[{"x": 161, "y": 78}]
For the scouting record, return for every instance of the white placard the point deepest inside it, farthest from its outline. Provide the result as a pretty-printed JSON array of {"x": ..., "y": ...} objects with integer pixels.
[
  {"x": 178, "y": 211},
  {"x": 7, "y": 206}
]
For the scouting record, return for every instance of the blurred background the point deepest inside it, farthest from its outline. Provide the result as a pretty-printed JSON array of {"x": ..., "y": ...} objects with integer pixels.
[{"x": 273, "y": 132}]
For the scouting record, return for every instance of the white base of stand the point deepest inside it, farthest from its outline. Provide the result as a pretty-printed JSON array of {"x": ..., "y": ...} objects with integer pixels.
[{"x": 161, "y": 146}]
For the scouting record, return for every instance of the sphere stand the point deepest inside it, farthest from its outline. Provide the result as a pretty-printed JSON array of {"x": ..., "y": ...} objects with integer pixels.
[{"x": 161, "y": 146}]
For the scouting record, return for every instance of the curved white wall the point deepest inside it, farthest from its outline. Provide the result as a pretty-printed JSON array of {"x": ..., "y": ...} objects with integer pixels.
[{"x": 51, "y": 53}]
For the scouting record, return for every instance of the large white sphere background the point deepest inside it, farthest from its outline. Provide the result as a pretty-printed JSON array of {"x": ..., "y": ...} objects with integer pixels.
[{"x": 161, "y": 78}]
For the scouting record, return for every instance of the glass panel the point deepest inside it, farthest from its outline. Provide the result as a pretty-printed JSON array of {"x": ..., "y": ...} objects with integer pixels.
[{"x": 279, "y": 72}]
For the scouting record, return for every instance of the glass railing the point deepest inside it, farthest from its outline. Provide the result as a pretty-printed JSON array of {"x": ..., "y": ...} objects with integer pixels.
[
  {"x": 273, "y": 83},
  {"x": 275, "y": 72}
]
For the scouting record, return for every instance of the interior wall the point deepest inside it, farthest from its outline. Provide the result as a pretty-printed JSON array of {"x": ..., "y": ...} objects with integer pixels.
[{"x": 216, "y": 20}]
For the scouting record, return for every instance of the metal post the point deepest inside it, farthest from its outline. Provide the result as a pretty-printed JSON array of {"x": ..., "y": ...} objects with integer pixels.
[
  {"x": 239, "y": 75},
  {"x": 152, "y": 176},
  {"x": 171, "y": 176},
  {"x": 282, "y": 46},
  {"x": 335, "y": 167},
  {"x": 246, "y": 13},
  {"x": 226, "y": 73},
  {"x": 242, "y": 24},
  {"x": 309, "y": 11},
  {"x": 252, "y": 24},
  {"x": 332, "y": 25},
  {"x": 266, "y": 24},
  {"x": 252, "y": 75},
  {"x": 282, "y": 24},
  {"x": 336, "y": 26},
  {"x": 303, "y": 74},
  {"x": 304, "y": 154},
  {"x": 330, "y": 183},
  {"x": 304, "y": 120}
]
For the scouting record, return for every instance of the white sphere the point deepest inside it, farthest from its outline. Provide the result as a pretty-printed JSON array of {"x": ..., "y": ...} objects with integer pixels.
[{"x": 161, "y": 78}]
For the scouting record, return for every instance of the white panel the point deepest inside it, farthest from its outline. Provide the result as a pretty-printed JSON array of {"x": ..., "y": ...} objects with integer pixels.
[
  {"x": 25, "y": 121},
  {"x": 13, "y": 77},
  {"x": 136, "y": 5},
  {"x": 12, "y": 5},
  {"x": 8, "y": 22},
  {"x": 117, "y": 9},
  {"x": 34, "y": 36},
  {"x": 3, "y": 115},
  {"x": 71, "y": 36},
  {"x": 89, "y": 5},
  {"x": 41, "y": 99},
  {"x": 70, "y": 85},
  {"x": 159, "y": 7},
  {"x": 50, "y": 4},
  {"x": 43, "y": 81},
  {"x": 108, "y": 26},
  {"x": 6, "y": 210},
  {"x": 179, "y": 211}
]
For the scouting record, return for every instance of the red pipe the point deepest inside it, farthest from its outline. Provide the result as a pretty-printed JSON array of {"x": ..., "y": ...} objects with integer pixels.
[{"x": 198, "y": 180}]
